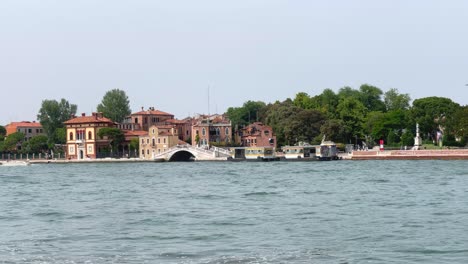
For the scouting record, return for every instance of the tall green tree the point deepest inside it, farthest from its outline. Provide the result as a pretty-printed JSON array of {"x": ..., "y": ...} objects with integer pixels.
[
  {"x": 2, "y": 133},
  {"x": 371, "y": 98},
  {"x": 433, "y": 113},
  {"x": 352, "y": 112},
  {"x": 460, "y": 123},
  {"x": 37, "y": 144},
  {"x": 115, "y": 105},
  {"x": 396, "y": 101},
  {"x": 303, "y": 126},
  {"x": 248, "y": 113},
  {"x": 13, "y": 142},
  {"x": 53, "y": 114},
  {"x": 114, "y": 135}
]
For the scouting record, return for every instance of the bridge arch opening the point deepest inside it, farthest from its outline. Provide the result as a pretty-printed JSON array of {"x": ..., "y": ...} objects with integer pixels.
[{"x": 182, "y": 156}]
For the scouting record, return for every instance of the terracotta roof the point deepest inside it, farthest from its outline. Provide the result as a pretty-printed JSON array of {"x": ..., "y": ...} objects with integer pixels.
[
  {"x": 152, "y": 112},
  {"x": 88, "y": 119},
  {"x": 25, "y": 124},
  {"x": 13, "y": 126},
  {"x": 135, "y": 133},
  {"x": 175, "y": 121}
]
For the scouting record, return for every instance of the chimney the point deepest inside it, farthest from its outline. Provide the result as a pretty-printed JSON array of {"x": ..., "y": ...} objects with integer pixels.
[
  {"x": 142, "y": 108},
  {"x": 83, "y": 114}
]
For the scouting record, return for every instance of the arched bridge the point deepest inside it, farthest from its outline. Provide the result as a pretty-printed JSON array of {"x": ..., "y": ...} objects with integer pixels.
[{"x": 190, "y": 153}]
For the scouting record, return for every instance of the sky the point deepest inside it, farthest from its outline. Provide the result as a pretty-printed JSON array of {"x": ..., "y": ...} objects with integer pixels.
[{"x": 198, "y": 57}]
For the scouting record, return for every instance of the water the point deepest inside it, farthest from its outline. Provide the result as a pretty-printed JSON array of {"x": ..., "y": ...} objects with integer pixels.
[{"x": 235, "y": 212}]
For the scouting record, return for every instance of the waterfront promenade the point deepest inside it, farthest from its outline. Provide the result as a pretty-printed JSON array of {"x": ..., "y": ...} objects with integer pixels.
[{"x": 443, "y": 154}]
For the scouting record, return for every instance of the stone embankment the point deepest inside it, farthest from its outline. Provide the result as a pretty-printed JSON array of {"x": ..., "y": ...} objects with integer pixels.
[{"x": 445, "y": 154}]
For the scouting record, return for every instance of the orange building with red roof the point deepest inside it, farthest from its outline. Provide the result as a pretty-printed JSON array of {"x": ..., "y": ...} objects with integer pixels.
[
  {"x": 82, "y": 136},
  {"x": 29, "y": 129},
  {"x": 150, "y": 117}
]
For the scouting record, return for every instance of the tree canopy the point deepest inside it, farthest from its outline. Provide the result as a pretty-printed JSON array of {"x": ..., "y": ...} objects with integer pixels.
[
  {"x": 365, "y": 114},
  {"x": 115, "y": 105},
  {"x": 53, "y": 114}
]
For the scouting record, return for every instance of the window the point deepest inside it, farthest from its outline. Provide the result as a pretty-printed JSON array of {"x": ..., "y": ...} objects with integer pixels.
[
  {"x": 145, "y": 120},
  {"x": 136, "y": 122},
  {"x": 164, "y": 140},
  {"x": 267, "y": 132},
  {"x": 218, "y": 131},
  {"x": 90, "y": 136},
  {"x": 227, "y": 131},
  {"x": 153, "y": 131},
  {"x": 143, "y": 152},
  {"x": 147, "y": 141},
  {"x": 29, "y": 131},
  {"x": 37, "y": 130},
  {"x": 147, "y": 151},
  {"x": 159, "y": 140},
  {"x": 203, "y": 131},
  {"x": 71, "y": 135},
  {"x": 154, "y": 142},
  {"x": 142, "y": 141}
]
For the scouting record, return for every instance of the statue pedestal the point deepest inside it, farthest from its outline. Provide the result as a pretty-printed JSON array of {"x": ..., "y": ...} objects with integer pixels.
[{"x": 417, "y": 143}]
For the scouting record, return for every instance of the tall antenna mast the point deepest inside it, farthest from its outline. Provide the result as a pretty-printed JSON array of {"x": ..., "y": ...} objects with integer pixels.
[{"x": 208, "y": 101}]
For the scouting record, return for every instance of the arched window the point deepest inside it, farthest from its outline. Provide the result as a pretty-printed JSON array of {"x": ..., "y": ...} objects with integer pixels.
[
  {"x": 203, "y": 131},
  {"x": 164, "y": 140},
  {"x": 71, "y": 135},
  {"x": 154, "y": 142},
  {"x": 90, "y": 135},
  {"x": 218, "y": 131},
  {"x": 227, "y": 131}
]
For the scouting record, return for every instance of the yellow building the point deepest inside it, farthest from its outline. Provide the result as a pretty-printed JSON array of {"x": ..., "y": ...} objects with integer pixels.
[
  {"x": 158, "y": 140},
  {"x": 82, "y": 136}
]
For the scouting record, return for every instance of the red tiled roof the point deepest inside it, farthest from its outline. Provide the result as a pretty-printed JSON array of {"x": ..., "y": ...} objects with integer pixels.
[
  {"x": 88, "y": 119},
  {"x": 25, "y": 124},
  {"x": 152, "y": 112},
  {"x": 175, "y": 121},
  {"x": 13, "y": 126},
  {"x": 135, "y": 133}
]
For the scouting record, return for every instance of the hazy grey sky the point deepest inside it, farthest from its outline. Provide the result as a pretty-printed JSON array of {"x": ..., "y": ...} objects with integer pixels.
[{"x": 167, "y": 53}]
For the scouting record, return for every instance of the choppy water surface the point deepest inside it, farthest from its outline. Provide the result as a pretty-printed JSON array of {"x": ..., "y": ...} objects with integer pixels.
[{"x": 277, "y": 212}]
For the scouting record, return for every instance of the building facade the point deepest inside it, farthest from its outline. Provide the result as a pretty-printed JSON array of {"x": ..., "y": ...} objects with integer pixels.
[
  {"x": 256, "y": 135},
  {"x": 158, "y": 140},
  {"x": 144, "y": 119},
  {"x": 83, "y": 141},
  {"x": 29, "y": 129},
  {"x": 207, "y": 130}
]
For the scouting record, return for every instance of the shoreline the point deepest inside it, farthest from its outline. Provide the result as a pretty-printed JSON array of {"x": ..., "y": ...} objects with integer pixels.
[{"x": 456, "y": 154}]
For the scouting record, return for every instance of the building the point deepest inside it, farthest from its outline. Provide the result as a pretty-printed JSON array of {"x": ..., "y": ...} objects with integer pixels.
[
  {"x": 207, "y": 130},
  {"x": 82, "y": 136},
  {"x": 157, "y": 140},
  {"x": 256, "y": 135},
  {"x": 144, "y": 119},
  {"x": 29, "y": 129}
]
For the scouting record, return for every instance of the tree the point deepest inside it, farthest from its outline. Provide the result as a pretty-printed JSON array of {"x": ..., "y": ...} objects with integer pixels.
[
  {"x": 303, "y": 126},
  {"x": 135, "y": 145},
  {"x": 2, "y": 133},
  {"x": 114, "y": 135},
  {"x": 352, "y": 112},
  {"x": 13, "y": 142},
  {"x": 370, "y": 96},
  {"x": 53, "y": 114},
  {"x": 433, "y": 114},
  {"x": 460, "y": 123},
  {"x": 115, "y": 105},
  {"x": 36, "y": 144},
  {"x": 303, "y": 101},
  {"x": 395, "y": 101},
  {"x": 248, "y": 113},
  {"x": 333, "y": 129}
]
